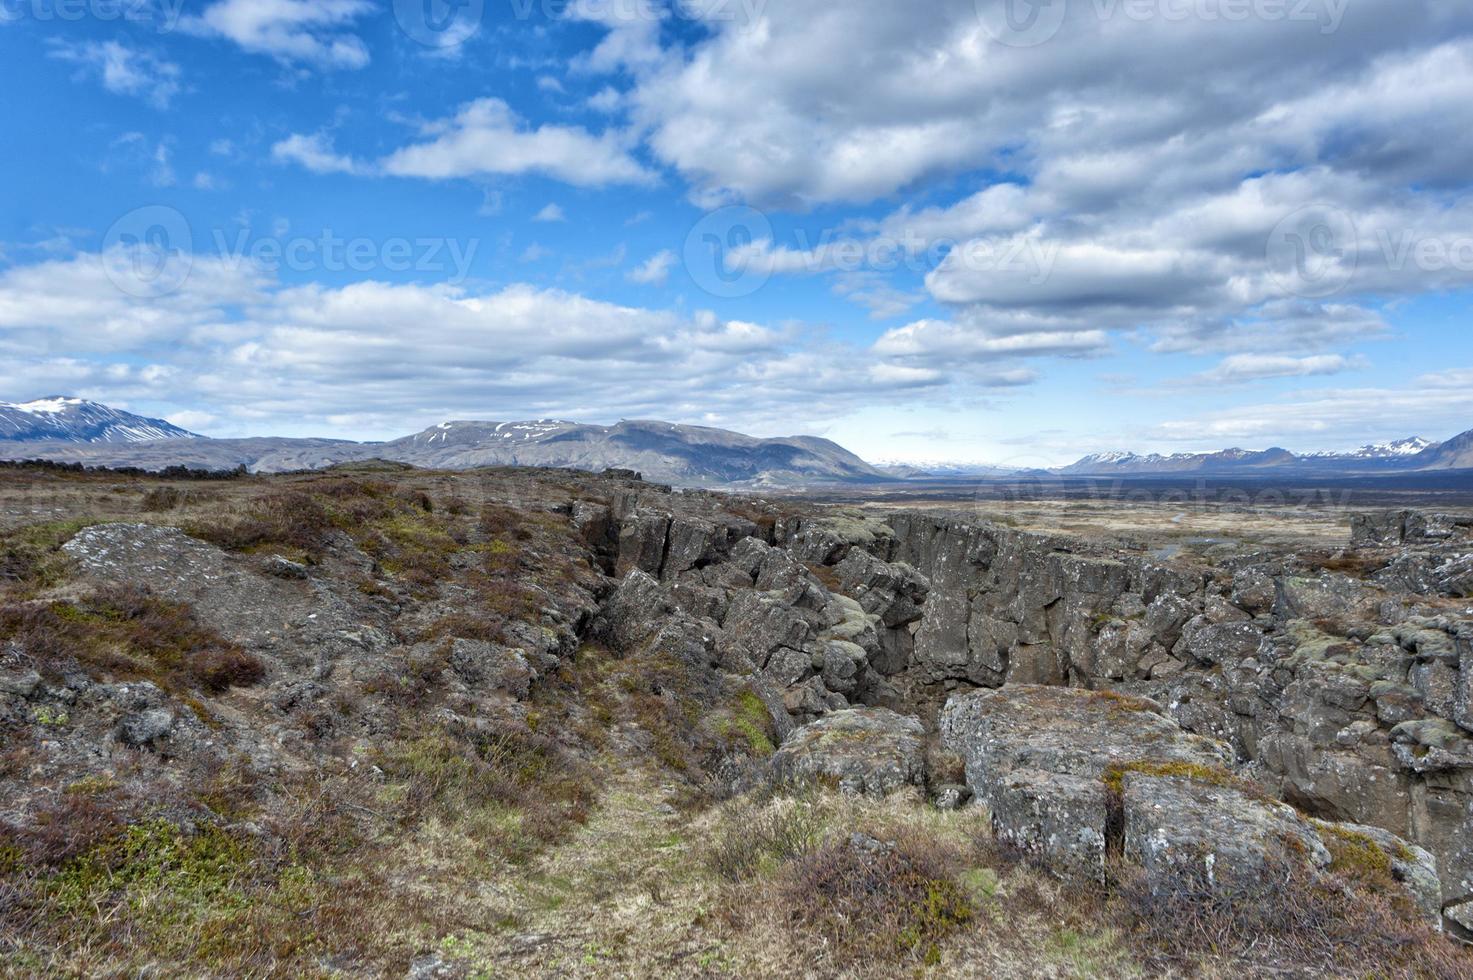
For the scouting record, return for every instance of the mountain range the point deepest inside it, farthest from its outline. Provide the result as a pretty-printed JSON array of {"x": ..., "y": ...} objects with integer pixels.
[
  {"x": 1403, "y": 455},
  {"x": 75, "y": 430},
  {"x": 686, "y": 455}
]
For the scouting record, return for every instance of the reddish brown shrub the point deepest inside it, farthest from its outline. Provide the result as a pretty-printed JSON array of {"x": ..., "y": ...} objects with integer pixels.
[
  {"x": 218, "y": 670},
  {"x": 904, "y": 893}
]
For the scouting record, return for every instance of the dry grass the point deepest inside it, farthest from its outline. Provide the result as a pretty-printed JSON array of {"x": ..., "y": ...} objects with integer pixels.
[{"x": 128, "y": 633}]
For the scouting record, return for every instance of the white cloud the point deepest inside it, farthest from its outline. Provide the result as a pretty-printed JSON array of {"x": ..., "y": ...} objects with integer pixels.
[
  {"x": 607, "y": 100},
  {"x": 486, "y": 137},
  {"x": 123, "y": 70},
  {"x": 314, "y": 152},
  {"x": 655, "y": 270},
  {"x": 312, "y": 32},
  {"x": 514, "y": 351},
  {"x": 942, "y": 341},
  {"x": 1256, "y": 367},
  {"x": 550, "y": 212},
  {"x": 136, "y": 151}
]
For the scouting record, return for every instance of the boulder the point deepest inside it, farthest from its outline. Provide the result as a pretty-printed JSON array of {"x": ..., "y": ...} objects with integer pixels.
[
  {"x": 1334, "y": 597},
  {"x": 285, "y": 568},
  {"x": 1037, "y": 758},
  {"x": 1212, "y": 644},
  {"x": 1188, "y": 831},
  {"x": 482, "y": 664},
  {"x": 1379, "y": 529},
  {"x": 869, "y": 751},
  {"x": 690, "y": 543},
  {"x": 145, "y": 727}
]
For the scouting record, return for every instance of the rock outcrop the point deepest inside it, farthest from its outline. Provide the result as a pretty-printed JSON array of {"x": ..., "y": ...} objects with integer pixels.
[
  {"x": 1072, "y": 776},
  {"x": 869, "y": 751}
]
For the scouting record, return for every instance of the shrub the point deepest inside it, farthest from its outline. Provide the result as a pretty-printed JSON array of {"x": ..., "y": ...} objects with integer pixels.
[
  {"x": 904, "y": 893},
  {"x": 129, "y": 632},
  {"x": 163, "y": 498},
  {"x": 289, "y": 519},
  {"x": 507, "y": 769},
  {"x": 218, "y": 670},
  {"x": 751, "y": 842},
  {"x": 1290, "y": 913},
  {"x": 65, "y": 828}
]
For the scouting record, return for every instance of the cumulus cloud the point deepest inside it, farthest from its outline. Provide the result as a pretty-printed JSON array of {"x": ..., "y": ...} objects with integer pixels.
[
  {"x": 486, "y": 137},
  {"x": 1168, "y": 213},
  {"x": 248, "y": 342},
  {"x": 313, "y": 32},
  {"x": 655, "y": 270},
  {"x": 123, "y": 70},
  {"x": 937, "y": 340},
  {"x": 1257, "y": 367},
  {"x": 315, "y": 152}
]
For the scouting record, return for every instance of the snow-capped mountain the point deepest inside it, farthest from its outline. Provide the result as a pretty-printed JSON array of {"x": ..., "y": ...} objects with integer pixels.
[
  {"x": 1128, "y": 463},
  {"x": 78, "y": 420},
  {"x": 1409, "y": 454},
  {"x": 1380, "y": 450}
]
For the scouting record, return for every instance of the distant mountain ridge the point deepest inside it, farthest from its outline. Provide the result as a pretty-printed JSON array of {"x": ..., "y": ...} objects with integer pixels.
[
  {"x": 76, "y": 430},
  {"x": 76, "y": 420},
  {"x": 1401, "y": 455},
  {"x": 685, "y": 455}
]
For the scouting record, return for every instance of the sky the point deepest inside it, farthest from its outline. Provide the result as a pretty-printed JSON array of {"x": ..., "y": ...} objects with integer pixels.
[{"x": 1005, "y": 231}]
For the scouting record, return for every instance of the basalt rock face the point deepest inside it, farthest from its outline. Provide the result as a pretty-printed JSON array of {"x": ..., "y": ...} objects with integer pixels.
[
  {"x": 1350, "y": 698},
  {"x": 1071, "y": 775}
]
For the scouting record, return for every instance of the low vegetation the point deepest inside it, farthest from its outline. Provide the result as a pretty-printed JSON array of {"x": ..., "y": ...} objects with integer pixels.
[{"x": 399, "y": 809}]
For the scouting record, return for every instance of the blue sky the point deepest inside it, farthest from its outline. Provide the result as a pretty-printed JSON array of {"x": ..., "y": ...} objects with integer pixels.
[{"x": 927, "y": 231}]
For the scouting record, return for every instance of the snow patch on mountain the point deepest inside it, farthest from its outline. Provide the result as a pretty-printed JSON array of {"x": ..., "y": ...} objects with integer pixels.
[{"x": 62, "y": 419}]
